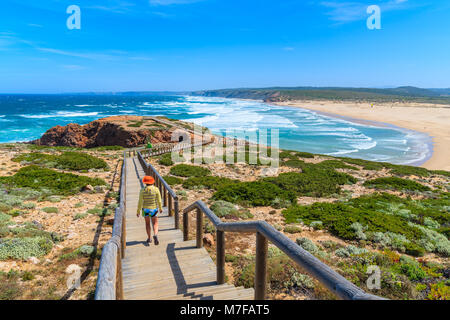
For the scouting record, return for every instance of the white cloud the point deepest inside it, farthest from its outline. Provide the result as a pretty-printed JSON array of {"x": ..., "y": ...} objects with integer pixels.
[
  {"x": 73, "y": 67},
  {"x": 353, "y": 11},
  {"x": 170, "y": 2}
]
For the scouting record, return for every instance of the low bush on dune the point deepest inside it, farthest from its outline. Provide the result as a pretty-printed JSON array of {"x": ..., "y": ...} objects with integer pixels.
[
  {"x": 395, "y": 183},
  {"x": 166, "y": 160},
  {"x": 224, "y": 209},
  {"x": 365, "y": 164},
  {"x": 312, "y": 182},
  {"x": 23, "y": 248},
  {"x": 185, "y": 170},
  {"x": 39, "y": 178},
  {"x": 335, "y": 164},
  {"x": 402, "y": 170},
  {"x": 257, "y": 193},
  {"x": 67, "y": 160},
  {"x": 386, "y": 220},
  {"x": 282, "y": 272},
  {"x": 441, "y": 173},
  {"x": 209, "y": 182},
  {"x": 172, "y": 181},
  {"x": 80, "y": 161}
]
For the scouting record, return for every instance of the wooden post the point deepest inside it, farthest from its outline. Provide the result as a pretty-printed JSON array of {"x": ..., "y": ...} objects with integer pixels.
[
  {"x": 119, "y": 278},
  {"x": 261, "y": 267},
  {"x": 170, "y": 206},
  {"x": 199, "y": 228},
  {"x": 220, "y": 260},
  {"x": 177, "y": 215},
  {"x": 186, "y": 226},
  {"x": 124, "y": 234},
  {"x": 165, "y": 198}
]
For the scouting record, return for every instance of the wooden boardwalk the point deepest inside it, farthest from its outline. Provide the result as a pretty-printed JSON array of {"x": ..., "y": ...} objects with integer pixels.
[{"x": 175, "y": 269}]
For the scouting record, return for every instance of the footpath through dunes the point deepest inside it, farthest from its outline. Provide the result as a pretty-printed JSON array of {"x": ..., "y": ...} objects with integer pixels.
[
  {"x": 175, "y": 269},
  {"x": 182, "y": 269}
]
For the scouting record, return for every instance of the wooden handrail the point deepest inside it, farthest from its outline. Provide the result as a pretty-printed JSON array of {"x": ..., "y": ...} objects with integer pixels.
[
  {"x": 264, "y": 233},
  {"x": 109, "y": 281}
]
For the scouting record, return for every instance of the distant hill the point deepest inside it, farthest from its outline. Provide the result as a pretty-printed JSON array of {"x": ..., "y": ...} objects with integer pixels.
[{"x": 277, "y": 94}]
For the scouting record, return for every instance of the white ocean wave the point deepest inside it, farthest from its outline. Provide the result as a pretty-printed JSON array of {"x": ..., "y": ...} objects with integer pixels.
[{"x": 60, "y": 114}]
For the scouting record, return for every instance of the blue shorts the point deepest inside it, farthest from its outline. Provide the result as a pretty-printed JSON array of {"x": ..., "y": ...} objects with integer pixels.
[{"x": 150, "y": 212}]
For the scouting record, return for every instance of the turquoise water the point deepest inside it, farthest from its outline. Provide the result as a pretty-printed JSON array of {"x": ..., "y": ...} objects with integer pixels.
[{"x": 27, "y": 117}]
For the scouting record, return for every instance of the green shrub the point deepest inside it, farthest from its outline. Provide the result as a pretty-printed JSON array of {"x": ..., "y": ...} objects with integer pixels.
[
  {"x": 257, "y": 193},
  {"x": 29, "y": 230},
  {"x": 228, "y": 210},
  {"x": 10, "y": 288},
  {"x": 50, "y": 210},
  {"x": 173, "y": 180},
  {"x": 166, "y": 160},
  {"x": 402, "y": 170},
  {"x": 27, "y": 276},
  {"x": 294, "y": 163},
  {"x": 439, "y": 291},
  {"x": 366, "y": 164},
  {"x": 28, "y": 205},
  {"x": 350, "y": 251},
  {"x": 39, "y": 178},
  {"x": 185, "y": 170},
  {"x": 311, "y": 182},
  {"x": 308, "y": 245},
  {"x": 209, "y": 182},
  {"x": 395, "y": 184},
  {"x": 83, "y": 251},
  {"x": 414, "y": 250},
  {"x": 80, "y": 216},
  {"x": 23, "y": 248},
  {"x": 80, "y": 161},
  {"x": 413, "y": 271},
  {"x": 338, "y": 219},
  {"x": 26, "y": 193},
  {"x": 67, "y": 160},
  {"x": 4, "y": 219},
  {"x": 441, "y": 173},
  {"x": 5, "y": 207},
  {"x": 335, "y": 164},
  {"x": 292, "y": 229},
  {"x": 279, "y": 203},
  {"x": 305, "y": 155}
]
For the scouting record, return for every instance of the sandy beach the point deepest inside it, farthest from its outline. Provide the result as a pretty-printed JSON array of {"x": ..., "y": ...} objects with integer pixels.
[{"x": 433, "y": 120}]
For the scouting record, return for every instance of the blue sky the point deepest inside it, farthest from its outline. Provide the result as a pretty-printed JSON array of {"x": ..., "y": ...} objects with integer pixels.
[{"x": 208, "y": 44}]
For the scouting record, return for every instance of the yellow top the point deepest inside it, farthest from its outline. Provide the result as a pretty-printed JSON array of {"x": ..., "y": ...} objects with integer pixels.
[{"x": 149, "y": 198}]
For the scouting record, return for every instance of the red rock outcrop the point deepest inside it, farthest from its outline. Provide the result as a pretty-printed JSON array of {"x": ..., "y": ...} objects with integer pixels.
[{"x": 103, "y": 132}]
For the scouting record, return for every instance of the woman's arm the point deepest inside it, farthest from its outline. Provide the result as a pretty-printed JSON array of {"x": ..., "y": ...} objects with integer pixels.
[{"x": 141, "y": 199}]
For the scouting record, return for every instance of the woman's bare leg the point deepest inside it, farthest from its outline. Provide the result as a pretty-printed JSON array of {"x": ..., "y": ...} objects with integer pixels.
[
  {"x": 155, "y": 225},
  {"x": 148, "y": 228}
]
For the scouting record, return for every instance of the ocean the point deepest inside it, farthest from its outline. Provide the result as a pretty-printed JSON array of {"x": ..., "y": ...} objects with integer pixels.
[{"x": 27, "y": 117}]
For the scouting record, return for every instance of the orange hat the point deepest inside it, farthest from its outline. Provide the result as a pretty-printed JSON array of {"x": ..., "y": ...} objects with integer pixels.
[{"x": 148, "y": 180}]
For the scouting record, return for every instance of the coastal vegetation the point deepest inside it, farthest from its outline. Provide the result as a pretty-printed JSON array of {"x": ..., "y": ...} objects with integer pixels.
[
  {"x": 44, "y": 211},
  {"x": 349, "y": 213},
  {"x": 67, "y": 160},
  {"x": 42, "y": 179},
  {"x": 401, "y": 94}
]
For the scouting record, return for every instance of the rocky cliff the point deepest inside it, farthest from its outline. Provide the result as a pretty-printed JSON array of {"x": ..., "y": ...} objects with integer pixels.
[{"x": 125, "y": 131}]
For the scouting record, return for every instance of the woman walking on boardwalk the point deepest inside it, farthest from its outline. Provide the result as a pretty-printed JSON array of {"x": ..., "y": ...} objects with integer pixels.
[{"x": 149, "y": 203}]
